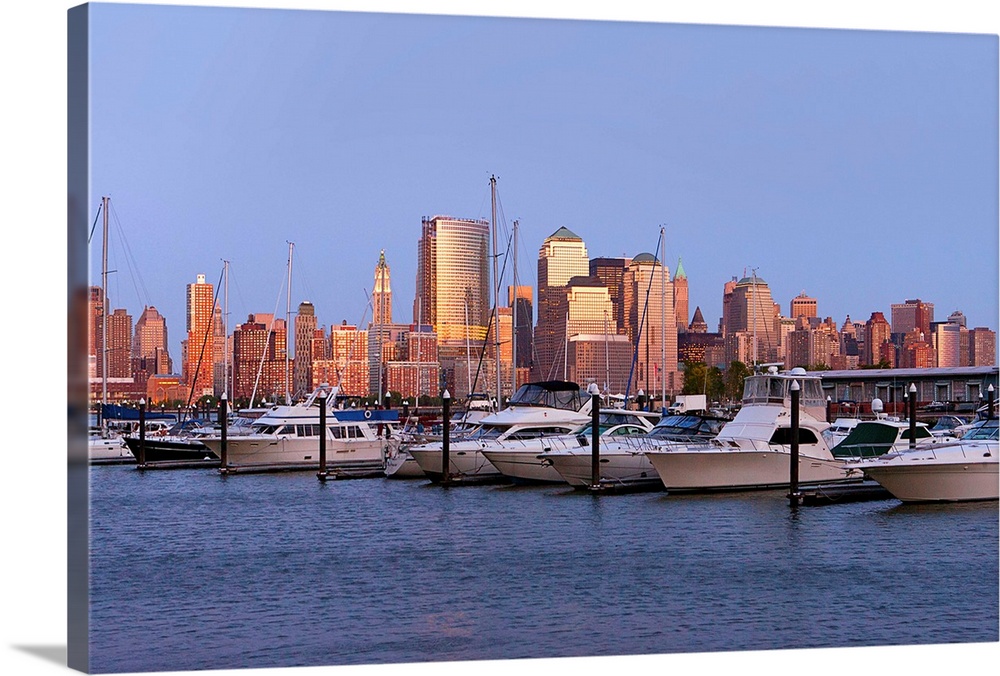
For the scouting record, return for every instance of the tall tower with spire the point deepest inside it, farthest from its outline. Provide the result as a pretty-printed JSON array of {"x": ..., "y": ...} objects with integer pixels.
[
  {"x": 681, "y": 297},
  {"x": 382, "y": 295}
]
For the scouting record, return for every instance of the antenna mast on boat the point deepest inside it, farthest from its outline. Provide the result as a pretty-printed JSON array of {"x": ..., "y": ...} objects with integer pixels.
[
  {"x": 496, "y": 288},
  {"x": 288, "y": 323}
]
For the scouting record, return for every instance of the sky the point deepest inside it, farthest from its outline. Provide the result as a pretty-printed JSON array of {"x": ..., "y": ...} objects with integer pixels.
[
  {"x": 696, "y": 194},
  {"x": 858, "y": 167}
]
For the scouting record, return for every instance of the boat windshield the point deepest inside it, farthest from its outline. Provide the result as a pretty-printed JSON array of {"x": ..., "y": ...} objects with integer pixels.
[
  {"x": 983, "y": 431},
  {"x": 554, "y": 394},
  {"x": 774, "y": 389},
  {"x": 685, "y": 427}
]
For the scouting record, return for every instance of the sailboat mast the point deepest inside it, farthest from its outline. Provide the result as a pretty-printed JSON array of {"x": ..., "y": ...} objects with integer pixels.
[
  {"x": 496, "y": 287},
  {"x": 288, "y": 323},
  {"x": 104, "y": 308},
  {"x": 225, "y": 330},
  {"x": 513, "y": 321},
  {"x": 663, "y": 320}
]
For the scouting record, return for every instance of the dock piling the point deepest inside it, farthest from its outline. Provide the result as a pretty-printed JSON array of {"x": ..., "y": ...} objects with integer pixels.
[
  {"x": 142, "y": 433},
  {"x": 445, "y": 429},
  {"x": 322, "y": 436},
  {"x": 224, "y": 422},
  {"x": 793, "y": 471},
  {"x": 913, "y": 415},
  {"x": 595, "y": 436}
]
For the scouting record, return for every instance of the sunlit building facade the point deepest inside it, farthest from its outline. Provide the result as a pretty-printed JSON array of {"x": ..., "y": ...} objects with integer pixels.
[{"x": 562, "y": 256}]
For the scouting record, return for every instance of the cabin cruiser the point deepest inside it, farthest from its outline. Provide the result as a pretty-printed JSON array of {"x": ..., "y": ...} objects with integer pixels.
[
  {"x": 288, "y": 437},
  {"x": 106, "y": 445},
  {"x": 873, "y": 438},
  {"x": 964, "y": 470},
  {"x": 524, "y": 458},
  {"x": 622, "y": 462},
  {"x": 537, "y": 409},
  {"x": 753, "y": 450}
]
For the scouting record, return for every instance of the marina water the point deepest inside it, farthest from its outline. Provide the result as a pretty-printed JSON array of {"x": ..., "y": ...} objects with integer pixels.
[{"x": 194, "y": 570}]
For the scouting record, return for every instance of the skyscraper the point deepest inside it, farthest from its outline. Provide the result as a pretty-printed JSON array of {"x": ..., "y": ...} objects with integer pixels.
[
  {"x": 453, "y": 285},
  {"x": 877, "y": 336},
  {"x": 382, "y": 293},
  {"x": 912, "y": 314},
  {"x": 150, "y": 342},
  {"x": 611, "y": 271},
  {"x": 200, "y": 313},
  {"x": 305, "y": 333},
  {"x": 982, "y": 346},
  {"x": 681, "y": 297},
  {"x": 119, "y": 344},
  {"x": 651, "y": 325},
  {"x": 751, "y": 310},
  {"x": 562, "y": 256},
  {"x": 520, "y": 299},
  {"x": 802, "y": 306}
]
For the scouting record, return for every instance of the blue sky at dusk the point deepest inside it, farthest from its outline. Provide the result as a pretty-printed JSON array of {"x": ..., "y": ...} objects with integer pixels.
[{"x": 857, "y": 166}]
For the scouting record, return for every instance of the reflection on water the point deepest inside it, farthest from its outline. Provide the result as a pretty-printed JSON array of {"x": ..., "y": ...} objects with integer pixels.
[{"x": 192, "y": 570}]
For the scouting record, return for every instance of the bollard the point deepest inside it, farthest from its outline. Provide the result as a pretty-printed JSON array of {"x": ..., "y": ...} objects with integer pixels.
[
  {"x": 913, "y": 415},
  {"x": 595, "y": 436},
  {"x": 142, "y": 433},
  {"x": 989, "y": 402},
  {"x": 322, "y": 435},
  {"x": 829, "y": 409},
  {"x": 445, "y": 429},
  {"x": 793, "y": 470},
  {"x": 224, "y": 420}
]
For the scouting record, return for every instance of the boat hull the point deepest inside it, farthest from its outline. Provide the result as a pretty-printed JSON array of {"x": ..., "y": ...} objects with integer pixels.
[
  {"x": 403, "y": 466},
  {"x": 523, "y": 466},
  {"x": 631, "y": 469},
  {"x": 705, "y": 470},
  {"x": 466, "y": 462},
  {"x": 171, "y": 450},
  {"x": 108, "y": 451},
  {"x": 270, "y": 452},
  {"x": 940, "y": 482}
]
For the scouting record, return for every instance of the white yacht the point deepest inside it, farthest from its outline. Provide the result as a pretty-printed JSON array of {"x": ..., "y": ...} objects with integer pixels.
[
  {"x": 107, "y": 445},
  {"x": 523, "y": 458},
  {"x": 287, "y": 437},
  {"x": 537, "y": 409},
  {"x": 964, "y": 470},
  {"x": 753, "y": 450},
  {"x": 623, "y": 464},
  {"x": 873, "y": 438}
]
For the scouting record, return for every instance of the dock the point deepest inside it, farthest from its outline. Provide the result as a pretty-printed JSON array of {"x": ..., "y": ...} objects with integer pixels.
[
  {"x": 179, "y": 464},
  {"x": 863, "y": 491}
]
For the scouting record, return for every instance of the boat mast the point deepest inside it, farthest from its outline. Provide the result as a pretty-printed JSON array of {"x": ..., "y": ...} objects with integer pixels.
[
  {"x": 380, "y": 323},
  {"x": 225, "y": 330},
  {"x": 104, "y": 311},
  {"x": 513, "y": 322},
  {"x": 496, "y": 288},
  {"x": 753, "y": 293},
  {"x": 288, "y": 323},
  {"x": 663, "y": 320}
]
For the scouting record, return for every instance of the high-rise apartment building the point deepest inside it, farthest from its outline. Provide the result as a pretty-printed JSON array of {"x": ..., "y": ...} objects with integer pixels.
[
  {"x": 453, "y": 286},
  {"x": 348, "y": 359},
  {"x": 586, "y": 308},
  {"x": 519, "y": 298},
  {"x": 601, "y": 359},
  {"x": 119, "y": 344},
  {"x": 95, "y": 332},
  {"x": 947, "y": 344},
  {"x": 562, "y": 256},
  {"x": 198, "y": 359},
  {"x": 150, "y": 342},
  {"x": 305, "y": 334}
]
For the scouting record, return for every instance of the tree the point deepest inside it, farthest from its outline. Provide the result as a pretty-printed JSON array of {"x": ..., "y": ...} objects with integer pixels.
[
  {"x": 736, "y": 374},
  {"x": 699, "y": 378}
]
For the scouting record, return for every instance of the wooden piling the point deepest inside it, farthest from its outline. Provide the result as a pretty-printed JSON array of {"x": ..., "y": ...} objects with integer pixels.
[
  {"x": 446, "y": 433},
  {"x": 224, "y": 422},
  {"x": 793, "y": 470},
  {"x": 913, "y": 415},
  {"x": 322, "y": 436},
  {"x": 595, "y": 437},
  {"x": 142, "y": 433}
]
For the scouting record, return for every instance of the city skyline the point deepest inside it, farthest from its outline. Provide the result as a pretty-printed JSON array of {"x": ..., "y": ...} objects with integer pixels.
[{"x": 815, "y": 157}]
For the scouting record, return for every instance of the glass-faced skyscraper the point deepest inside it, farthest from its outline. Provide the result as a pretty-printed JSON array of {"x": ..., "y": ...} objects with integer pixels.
[
  {"x": 562, "y": 256},
  {"x": 453, "y": 285}
]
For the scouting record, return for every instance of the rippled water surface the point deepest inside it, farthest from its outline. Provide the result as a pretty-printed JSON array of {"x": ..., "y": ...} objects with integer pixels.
[{"x": 192, "y": 570}]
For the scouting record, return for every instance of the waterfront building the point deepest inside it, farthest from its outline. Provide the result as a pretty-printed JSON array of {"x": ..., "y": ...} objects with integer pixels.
[
  {"x": 199, "y": 346},
  {"x": 347, "y": 363},
  {"x": 982, "y": 347},
  {"x": 562, "y": 256},
  {"x": 803, "y": 306},
  {"x": 453, "y": 286},
  {"x": 651, "y": 326},
  {"x": 259, "y": 366},
  {"x": 912, "y": 314},
  {"x": 681, "y": 297},
  {"x": 150, "y": 342},
  {"x": 962, "y": 386},
  {"x": 599, "y": 358}
]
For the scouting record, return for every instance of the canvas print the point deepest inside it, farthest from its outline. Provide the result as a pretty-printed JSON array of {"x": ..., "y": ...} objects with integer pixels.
[{"x": 408, "y": 339}]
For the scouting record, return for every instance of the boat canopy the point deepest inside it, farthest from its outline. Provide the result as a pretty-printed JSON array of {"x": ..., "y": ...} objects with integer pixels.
[
  {"x": 774, "y": 388},
  {"x": 869, "y": 439},
  {"x": 553, "y": 394}
]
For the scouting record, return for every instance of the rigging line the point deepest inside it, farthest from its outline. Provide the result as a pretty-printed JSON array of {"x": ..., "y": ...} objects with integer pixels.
[
  {"x": 635, "y": 353},
  {"x": 208, "y": 329},
  {"x": 263, "y": 352},
  {"x": 90, "y": 237},
  {"x": 130, "y": 262}
]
